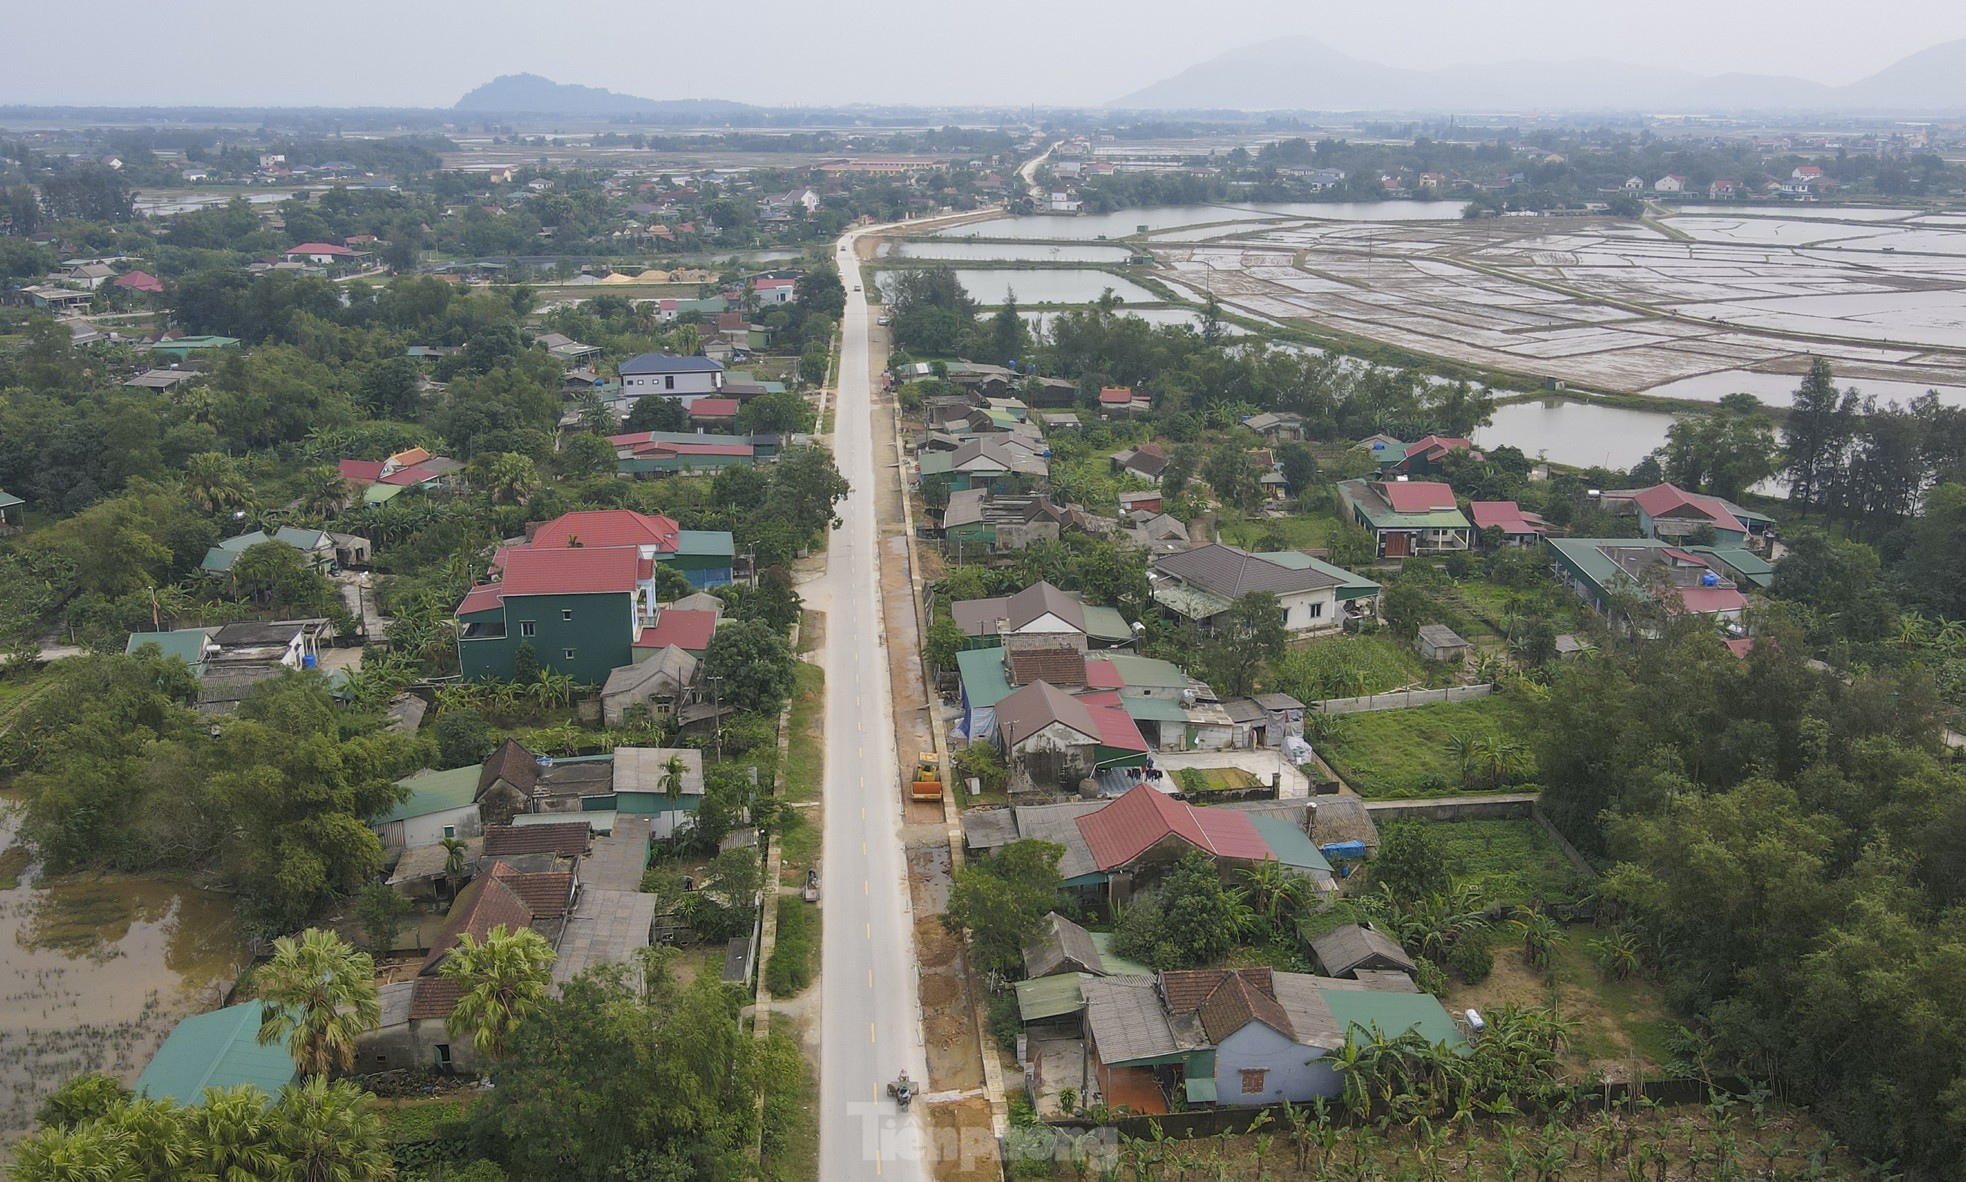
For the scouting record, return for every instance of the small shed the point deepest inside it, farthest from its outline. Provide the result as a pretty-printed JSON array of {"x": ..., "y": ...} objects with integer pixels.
[
  {"x": 1348, "y": 948},
  {"x": 1438, "y": 642}
]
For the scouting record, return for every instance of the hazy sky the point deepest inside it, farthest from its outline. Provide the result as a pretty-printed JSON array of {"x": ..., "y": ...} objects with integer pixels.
[{"x": 1081, "y": 52}]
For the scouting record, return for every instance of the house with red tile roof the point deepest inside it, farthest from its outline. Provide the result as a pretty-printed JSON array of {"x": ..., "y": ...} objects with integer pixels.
[
  {"x": 1668, "y": 511},
  {"x": 322, "y": 254},
  {"x": 584, "y": 594},
  {"x": 1601, "y": 570},
  {"x": 139, "y": 281}
]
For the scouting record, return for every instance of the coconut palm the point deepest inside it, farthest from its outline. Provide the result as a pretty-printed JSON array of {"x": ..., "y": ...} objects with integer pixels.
[
  {"x": 329, "y": 1133},
  {"x": 214, "y": 483},
  {"x": 160, "y": 1136},
  {"x": 317, "y": 995},
  {"x": 454, "y": 851},
  {"x": 504, "y": 979}
]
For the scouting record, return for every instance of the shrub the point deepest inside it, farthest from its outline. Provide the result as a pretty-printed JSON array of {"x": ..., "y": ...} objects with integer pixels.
[
  {"x": 463, "y": 737},
  {"x": 795, "y": 957},
  {"x": 1005, "y": 1021},
  {"x": 1471, "y": 961}
]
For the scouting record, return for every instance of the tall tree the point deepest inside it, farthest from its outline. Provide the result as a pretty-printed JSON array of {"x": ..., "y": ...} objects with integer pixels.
[
  {"x": 504, "y": 979},
  {"x": 317, "y": 995}
]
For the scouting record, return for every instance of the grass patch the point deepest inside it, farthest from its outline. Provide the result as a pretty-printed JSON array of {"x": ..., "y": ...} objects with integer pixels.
[
  {"x": 795, "y": 956},
  {"x": 1299, "y": 531},
  {"x": 1198, "y": 780},
  {"x": 1404, "y": 753},
  {"x": 805, "y": 748},
  {"x": 798, "y": 843},
  {"x": 1347, "y": 667},
  {"x": 1619, "y": 1023},
  {"x": 790, "y": 1146},
  {"x": 1512, "y": 861},
  {"x": 13, "y": 862}
]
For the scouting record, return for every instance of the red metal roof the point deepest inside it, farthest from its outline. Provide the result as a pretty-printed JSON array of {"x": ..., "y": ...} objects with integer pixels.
[
  {"x": 1103, "y": 675},
  {"x": 545, "y": 570},
  {"x": 1669, "y": 500},
  {"x": 1417, "y": 496},
  {"x": 321, "y": 248},
  {"x": 713, "y": 408},
  {"x": 1116, "y": 395},
  {"x": 1706, "y": 600},
  {"x": 1506, "y": 516},
  {"x": 607, "y": 527},
  {"x": 361, "y": 471},
  {"x": 412, "y": 475},
  {"x": 687, "y": 630},
  {"x": 481, "y": 599},
  {"x": 139, "y": 281}
]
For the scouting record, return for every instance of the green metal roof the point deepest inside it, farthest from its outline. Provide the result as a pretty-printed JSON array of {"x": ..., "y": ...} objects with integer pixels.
[
  {"x": 1291, "y": 845},
  {"x": 1106, "y": 623},
  {"x": 1388, "y": 518},
  {"x": 378, "y": 494},
  {"x": 704, "y": 543},
  {"x": 1200, "y": 1088},
  {"x": 435, "y": 792},
  {"x": 1051, "y": 997},
  {"x": 1351, "y": 586},
  {"x": 984, "y": 682},
  {"x": 937, "y": 463},
  {"x": 1153, "y": 709},
  {"x": 219, "y": 559},
  {"x": 1117, "y": 965},
  {"x": 1138, "y": 672},
  {"x": 216, "y": 1050},
  {"x": 187, "y": 344},
  {"x": 1746, "y": 563},
  {"x": 1393, "y": 1013},
  {"x": 186, "y": 644},
  {"x": 9, "y": 500},
  {"x": 1745, "y": 515},
  {"x": 1586, "y": 557}
]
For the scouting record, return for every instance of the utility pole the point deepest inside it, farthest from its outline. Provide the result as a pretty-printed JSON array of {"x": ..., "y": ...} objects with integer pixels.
[{"x": 717, "y": 715}]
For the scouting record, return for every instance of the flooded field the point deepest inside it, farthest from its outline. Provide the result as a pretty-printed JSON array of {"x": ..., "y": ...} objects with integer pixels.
[
  {"x": 1008, "y": 252},
  {"x": 1778, "y": 389},
  {"x": 95, "y": 973},
  {"x": 1043, "y": 287},
  {"x": 1125, "y": 222}
]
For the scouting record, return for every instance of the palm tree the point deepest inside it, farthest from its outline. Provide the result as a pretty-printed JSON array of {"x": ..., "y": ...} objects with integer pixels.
[
  {"x": 159, "y": 1133},
  {"x": 504, "y": 980},
  {"x": 213, "y": 482},
  {"x": 228, "y": 1137},
  {"x": 329, "y": 1133},
  {"x": 454, "y": 852},
  {"x": 323, "y": 491},
  {"x": 94, "y": 1152},
  {"x": 1539, "y": 935},
  {"x": 673, "y": 772},
  {"x": 510, "y": 478},
  {"x": 317, "y": 995},
  {"x": 687, "y": 339}
]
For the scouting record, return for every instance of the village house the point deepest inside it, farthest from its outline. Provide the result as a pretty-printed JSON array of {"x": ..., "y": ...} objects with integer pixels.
[
  {"x": 1145, "y": 462},
  {"x": 381, "y": 481},
  {"x": 1423, "y": 456},
  {"x": 1407, "y": 518},
  {"x": 1599, "y": 570},
  {"x": 582, "y": 592},
  {"x": 1670, "y": 512},
  {"x": 684, "y": 379},
  {"x": 1315, "y": 596},
  {"x": 1517, "y": 527},
  {"x": 229, "y": 659},
  {"x": 1669, "y": 184}
]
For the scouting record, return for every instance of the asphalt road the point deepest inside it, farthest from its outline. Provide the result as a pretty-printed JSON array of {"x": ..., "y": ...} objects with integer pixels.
[{"x": 870, "y": 1028}]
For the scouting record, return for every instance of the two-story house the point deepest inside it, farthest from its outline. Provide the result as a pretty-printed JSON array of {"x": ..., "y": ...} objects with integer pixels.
[
  {"x": 583, "y": 593},
  {"x": 684, "y": 379},
  {"x": 1407, "y": 517}
]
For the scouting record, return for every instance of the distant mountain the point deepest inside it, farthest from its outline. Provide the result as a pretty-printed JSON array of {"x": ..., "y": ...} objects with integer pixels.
[
  {"x": 1301, "y": 73},
  {"x": 529, "y": 94}
]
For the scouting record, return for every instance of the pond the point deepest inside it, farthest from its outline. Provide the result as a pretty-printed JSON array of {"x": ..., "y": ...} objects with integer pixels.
[
  {"x": 987, "y": 287},
  {"x": 1578, "y": 434},
  {"x": 1007, "y": 252},
  {"x": 97, "y": 972},
  {"x": 1187, "y": 316}
]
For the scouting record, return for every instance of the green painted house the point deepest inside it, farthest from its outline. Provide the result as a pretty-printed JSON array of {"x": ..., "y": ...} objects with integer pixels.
[{"x": 582, "y": 592}]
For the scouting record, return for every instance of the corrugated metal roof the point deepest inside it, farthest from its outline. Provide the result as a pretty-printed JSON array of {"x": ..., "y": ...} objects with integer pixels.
[
  {"x": 434, "y": 792},
  {"x": 984, "y": 681},
  {"x": 1051, "y": 997},
  {"x": 216, "y": 1050}
]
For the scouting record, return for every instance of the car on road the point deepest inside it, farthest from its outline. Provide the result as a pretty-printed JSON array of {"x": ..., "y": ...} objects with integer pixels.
[{"x": 856, "y": 287}]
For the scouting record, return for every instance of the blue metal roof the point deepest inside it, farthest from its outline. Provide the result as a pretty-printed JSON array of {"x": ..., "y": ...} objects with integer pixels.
[{"x": 669, "y": 363}]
